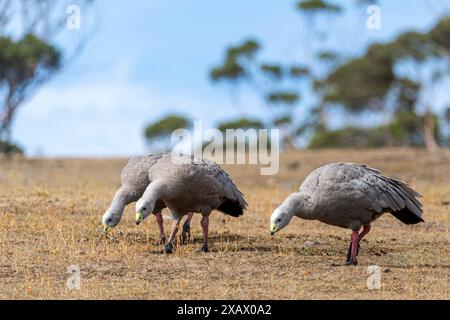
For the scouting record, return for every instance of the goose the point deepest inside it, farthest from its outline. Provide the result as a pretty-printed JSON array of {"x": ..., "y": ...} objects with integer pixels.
[
  {"x": 134, "y": 181},
  {"x": 189, "y": 184},
  {"x": 350, "y": 196}
]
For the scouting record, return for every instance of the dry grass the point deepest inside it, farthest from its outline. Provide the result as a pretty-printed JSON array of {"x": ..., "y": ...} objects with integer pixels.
[{"x": 50, "y": 219}]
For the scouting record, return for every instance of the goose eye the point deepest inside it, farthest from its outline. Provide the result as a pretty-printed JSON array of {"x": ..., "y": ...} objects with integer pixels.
[
  {"x": 144, "y": 208},
  {"x": 109, "y": 220},
  {"x": 279, "y": 219}
]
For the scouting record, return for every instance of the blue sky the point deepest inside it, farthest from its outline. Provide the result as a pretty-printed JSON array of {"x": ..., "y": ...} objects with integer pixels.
[{"x": 148, "y": 58}]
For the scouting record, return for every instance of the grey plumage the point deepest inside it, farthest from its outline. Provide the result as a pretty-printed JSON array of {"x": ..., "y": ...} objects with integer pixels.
[
  {"x": 134, "y": 180},
  {"x": 352, "y": 195},
  {"x": 189, "y": 184},
  {"x": 184, "y": 183}
]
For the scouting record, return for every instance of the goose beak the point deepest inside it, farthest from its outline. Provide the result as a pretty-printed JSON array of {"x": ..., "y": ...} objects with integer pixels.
[
  {"x": 106, "y": 229},
  {"x": 273, "y": 229},
  {"x": 139, "y": 217}
]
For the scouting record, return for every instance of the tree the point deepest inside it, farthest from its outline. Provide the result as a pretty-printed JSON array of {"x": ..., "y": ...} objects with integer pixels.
[
  {"x": 158, "y": 133},
  {"x": 404, "y": 129},
  {"x": 278, "y": 84},
  {"x": 246, "y": 137},
  {"x": 375, "y": 82},
  {"x": 7, "y": 148},
  {"x": 240, "y": 123},
  {"x": 379, "y": 82},
  {"x": 318, "y": 6},
  {"x": 28, "y": 56},
  {"x": 274, "y": 83},
  {"x": 24, "y": 66}
]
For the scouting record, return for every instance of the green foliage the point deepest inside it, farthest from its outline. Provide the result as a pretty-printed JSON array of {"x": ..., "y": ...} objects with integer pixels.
[
  {"x": 281, "y": 121},
  {"x": 348, "y": 137},
  {"x": 241, "y": 66},
  {"x": 440, "y": 34},
  {"x": 236, "y": 57},
  {"x": 283, "y": 97},
  {"x": 272, "y": 70},
  {"x": 408, "y": 94},
  {"x": 365, "y": 3},
  {"x": 26, "y": 59},
  {"x": 372, "y": 83},
  {"x": 24, "y": 65},
  {"x": 362, "y": 82},
  {"x": 164, "y": 127},
  {"x": 298, "y": 71},
  {"x": 315, "y": 6},
  {"x": 404, "y": 130},
  {"x": 365, "y": 82},
  {"x": 230, "y": 70},
  {"x": 8, "y": 148},
  {"x": 328, "y": 56},
  {"x": 241, "y": 123},
  {"x": 247, "y": 49},
  {"x": 447, "y": 115},
  {"x": 413, "y": 45}
]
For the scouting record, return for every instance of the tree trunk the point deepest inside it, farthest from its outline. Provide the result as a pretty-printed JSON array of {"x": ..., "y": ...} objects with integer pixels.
[
  {"x": 428, "y": 130},
  {"x": 388, "y": 118},
  {"x": 288, "y": 142},
  {"x": 7, "y": 118}
]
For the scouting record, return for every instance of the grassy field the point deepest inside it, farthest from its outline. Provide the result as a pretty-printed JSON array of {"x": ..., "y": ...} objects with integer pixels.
[{"x": 50, "y": 212}]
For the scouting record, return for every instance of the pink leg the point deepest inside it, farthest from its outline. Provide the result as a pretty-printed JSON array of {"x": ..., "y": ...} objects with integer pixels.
[
  {"x": 189, "y": 218},
  {"x": 186, "y": 232},
  {"x": 364, "y": 231},
  {"x": 353, "y": 249},
  {"x": 361, "y": 235},
  {"x": 205, "y": 223},
  {"x": 160, "y": 221},
  {"x": 169, "y": 245}
]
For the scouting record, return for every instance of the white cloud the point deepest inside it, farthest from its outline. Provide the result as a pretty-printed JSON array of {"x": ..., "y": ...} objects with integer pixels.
[{"x": 104, "y": 118}]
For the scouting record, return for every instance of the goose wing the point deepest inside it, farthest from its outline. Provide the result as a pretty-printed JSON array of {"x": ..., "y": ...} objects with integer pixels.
[{"x": 384, "y": 194}]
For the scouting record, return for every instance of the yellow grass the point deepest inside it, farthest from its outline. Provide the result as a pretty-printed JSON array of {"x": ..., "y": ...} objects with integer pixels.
[{"x": 50, "y": 213}]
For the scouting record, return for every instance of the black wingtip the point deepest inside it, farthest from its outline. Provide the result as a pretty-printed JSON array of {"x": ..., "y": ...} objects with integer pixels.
[
  {"x": 407, "y": 217},
  {"x": 232, "y": 208}
]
